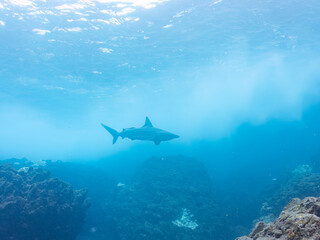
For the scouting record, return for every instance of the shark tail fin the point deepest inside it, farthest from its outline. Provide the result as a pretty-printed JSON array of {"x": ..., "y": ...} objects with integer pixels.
[{"x": 113, "y": 132}]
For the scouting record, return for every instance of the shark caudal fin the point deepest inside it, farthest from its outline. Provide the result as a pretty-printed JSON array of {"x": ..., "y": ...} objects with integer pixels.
[
  {"x": 113, "y": 132},
  {"x": 147, "y": 123}
]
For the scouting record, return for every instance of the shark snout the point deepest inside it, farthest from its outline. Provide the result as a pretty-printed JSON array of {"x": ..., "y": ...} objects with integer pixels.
[{"x": 174, "y": 136}]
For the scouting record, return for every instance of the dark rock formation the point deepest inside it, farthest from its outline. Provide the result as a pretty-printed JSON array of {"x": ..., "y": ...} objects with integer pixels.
[
  {"x": 299, "y": 220},
  {"x": 169, "y": 198},
  {"x": 35, "y": 206}
]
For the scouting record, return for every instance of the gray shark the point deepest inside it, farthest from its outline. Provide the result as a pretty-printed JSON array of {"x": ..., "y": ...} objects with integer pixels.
[{"x": 146, "y": 133}]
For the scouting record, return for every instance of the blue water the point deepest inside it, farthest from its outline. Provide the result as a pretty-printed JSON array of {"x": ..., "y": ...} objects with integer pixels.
[{"x": 237, "y": 80}]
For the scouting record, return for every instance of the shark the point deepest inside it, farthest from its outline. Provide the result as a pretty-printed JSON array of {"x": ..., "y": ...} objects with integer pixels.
[{"x": 145, "y": 133}]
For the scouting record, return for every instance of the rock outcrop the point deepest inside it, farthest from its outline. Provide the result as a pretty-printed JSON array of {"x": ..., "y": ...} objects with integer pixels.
[
  {"x": 169, "y": 198},
  {"x": 299, "y": 220},
  {"x": 35, "y": 206}
]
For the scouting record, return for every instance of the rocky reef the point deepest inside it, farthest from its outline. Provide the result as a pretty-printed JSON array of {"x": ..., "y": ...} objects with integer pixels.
[
  {"x": 33, "y": 205},
  {"x": 301, "y": 182},
  {"x": 168, "y": 198},
  {"x": 299, "y": 220}
]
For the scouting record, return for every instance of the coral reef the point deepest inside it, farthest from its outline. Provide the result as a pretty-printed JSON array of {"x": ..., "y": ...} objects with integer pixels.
[
  {"x": 35, "y": 206},
  {"x": 186, "y": 220},
  {"x": 299, "y": 220},
  {"x": 168, "y": 198}
]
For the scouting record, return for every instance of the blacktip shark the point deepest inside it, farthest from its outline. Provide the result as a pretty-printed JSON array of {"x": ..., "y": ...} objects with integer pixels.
[{"x": 146, "y": 133}]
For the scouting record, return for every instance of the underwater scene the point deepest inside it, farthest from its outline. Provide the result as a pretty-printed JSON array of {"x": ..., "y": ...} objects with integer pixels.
[{"x": 159, "y": 120}]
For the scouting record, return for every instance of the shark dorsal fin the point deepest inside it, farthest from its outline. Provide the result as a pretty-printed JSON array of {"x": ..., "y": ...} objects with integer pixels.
[{"x": 147, "y": 123}]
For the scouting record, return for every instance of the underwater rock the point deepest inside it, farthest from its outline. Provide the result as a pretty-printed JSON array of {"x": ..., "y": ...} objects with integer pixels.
[
  {"x": 299, "y": 220},
  {"x": 301, "y": 183},
  {"x": 35, "y": 206},
  {"x": 168, "y": 198},
  {"x": 302, "y": 170},
  {"x": 17, "y": 163},
  {"x": 266, "y": 219}
]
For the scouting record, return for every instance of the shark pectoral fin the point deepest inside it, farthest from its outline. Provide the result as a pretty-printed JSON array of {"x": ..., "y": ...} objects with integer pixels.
[{"x": 157, "y": 142}]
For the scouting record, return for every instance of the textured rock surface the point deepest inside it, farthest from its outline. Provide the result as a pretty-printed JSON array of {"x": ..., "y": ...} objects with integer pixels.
[
  {"x": 169, "y": 198},
  {"x": 35, "y": 206},
  {"x": 299, "y": 220}
]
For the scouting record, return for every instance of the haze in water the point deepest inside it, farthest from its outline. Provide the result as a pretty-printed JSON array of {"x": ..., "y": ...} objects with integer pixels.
[{"x": 237, "y": 80}]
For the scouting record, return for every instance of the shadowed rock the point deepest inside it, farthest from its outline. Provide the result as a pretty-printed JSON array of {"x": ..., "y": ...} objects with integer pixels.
[
  {"x": 35, "y": 206},
  {"x": 168, "y": 198}
]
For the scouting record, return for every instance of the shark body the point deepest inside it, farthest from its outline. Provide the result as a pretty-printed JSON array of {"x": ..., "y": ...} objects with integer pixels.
[{"x": 145, "y": 133}]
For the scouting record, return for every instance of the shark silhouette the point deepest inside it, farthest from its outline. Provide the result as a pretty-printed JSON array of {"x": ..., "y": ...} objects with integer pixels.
[{"x": 146, "y": 133}]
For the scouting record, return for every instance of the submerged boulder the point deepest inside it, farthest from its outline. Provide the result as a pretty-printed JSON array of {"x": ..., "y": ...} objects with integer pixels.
[
  {"x": 35, "y": 206},
  {"x": 299, "y": 220},
  {"x": 168, "y": 198}
]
